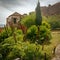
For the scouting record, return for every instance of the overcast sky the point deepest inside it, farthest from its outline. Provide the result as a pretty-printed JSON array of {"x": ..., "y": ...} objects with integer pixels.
[{"x": 7, "y": 7}]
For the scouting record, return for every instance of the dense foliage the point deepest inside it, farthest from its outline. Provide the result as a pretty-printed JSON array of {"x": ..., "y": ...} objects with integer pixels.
[
  {"x": 23, "y": 50},
  {"x": 29, "y": 20},
  {"x": 41, "y": 36},
  {"x": 54, "y": 21},
  {"x": 5, "y": 34},
  {"x": 31, "y": 33}
]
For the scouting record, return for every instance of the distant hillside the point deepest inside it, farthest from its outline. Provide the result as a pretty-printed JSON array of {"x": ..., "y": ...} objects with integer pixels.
[{"x": 51, "y": 9}]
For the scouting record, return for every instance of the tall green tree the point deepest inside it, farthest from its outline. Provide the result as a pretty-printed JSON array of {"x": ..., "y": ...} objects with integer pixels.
[{"x": 38, "y": 14}]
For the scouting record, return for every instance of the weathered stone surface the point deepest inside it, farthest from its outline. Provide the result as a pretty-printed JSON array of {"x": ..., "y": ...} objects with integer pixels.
[
  {"x": 51, "y": 9},
  {"x": 57, "y": 53},
  {"x": 56, "y": 58},
  {"x": 17, "y": 59}
]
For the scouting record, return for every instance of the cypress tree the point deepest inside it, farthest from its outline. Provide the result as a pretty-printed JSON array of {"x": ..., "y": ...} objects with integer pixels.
[{"x": 38, "y": 15}]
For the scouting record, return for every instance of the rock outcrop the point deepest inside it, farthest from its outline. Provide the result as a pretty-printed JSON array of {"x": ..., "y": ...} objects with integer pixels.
[{"x": 51, "y": 9}]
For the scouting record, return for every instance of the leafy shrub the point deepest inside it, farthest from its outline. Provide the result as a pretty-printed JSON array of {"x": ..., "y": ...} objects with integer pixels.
[
  {"x": 29, "y": 20},
  {"x": 54, "y": 21},
  {"x": 19, "y": 32},
  {"x": 44, "y": 34},
  {"x": 41, "y": 35},
  {"x": 20, "y": 50},
  {"x": 5, "y": 34},
  {"x": 31, "y": 33}
]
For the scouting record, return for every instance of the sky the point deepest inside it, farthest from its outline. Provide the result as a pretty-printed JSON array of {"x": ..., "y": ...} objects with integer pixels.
[{"x": 7, "y": 7}]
